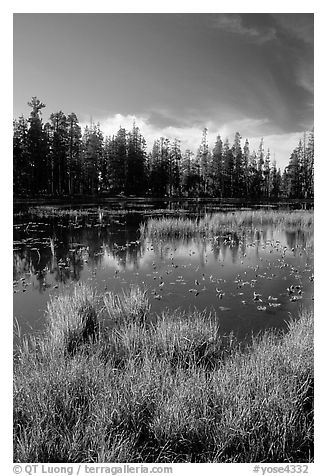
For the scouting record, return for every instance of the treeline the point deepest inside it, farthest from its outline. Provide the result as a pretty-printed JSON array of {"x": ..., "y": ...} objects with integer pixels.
[{"x": 57, "y": 158}]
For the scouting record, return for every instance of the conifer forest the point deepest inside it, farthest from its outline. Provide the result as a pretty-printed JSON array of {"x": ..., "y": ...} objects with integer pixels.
[{"x": 57, "y": 158}]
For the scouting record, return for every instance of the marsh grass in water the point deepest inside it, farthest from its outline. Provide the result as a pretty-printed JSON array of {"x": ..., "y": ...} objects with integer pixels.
[
  {"x": 51, "y": 211},
  {"x": 164, "y": 390},
  {"x": 213, "y": 223}
]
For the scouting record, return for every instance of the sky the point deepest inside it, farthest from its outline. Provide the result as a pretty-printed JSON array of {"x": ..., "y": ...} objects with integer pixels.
[{"x": 174, "y": 74}]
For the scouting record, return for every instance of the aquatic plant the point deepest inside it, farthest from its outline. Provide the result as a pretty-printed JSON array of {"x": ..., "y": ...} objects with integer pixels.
[
  {"x": 166, "y": 390},
  {"x": 44, "y": 211},
  {"x": 212, "y": 224}
]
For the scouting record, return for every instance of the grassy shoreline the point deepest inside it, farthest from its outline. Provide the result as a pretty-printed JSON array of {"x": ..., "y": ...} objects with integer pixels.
[{"x": 172, "y": 390}]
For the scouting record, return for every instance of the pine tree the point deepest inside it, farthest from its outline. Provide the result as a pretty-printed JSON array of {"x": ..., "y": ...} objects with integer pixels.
[
  {"x": 255, "y": 177},
  {"x": 286, "y": 183},
  {"x": 174, "y": 168},
  {"x": 37, "y": 147},
  {"x": 159, "y": 168},
  {"x": 246, "y": 164},
  {"x": 276, "y": 180},
  {"x": 216, "y": 169},
  {"x": 22, "y": 170},
  {"x": 203, "y": 159},
  {"x": 74, "y": 166},
  {"x": 164, "y": 160},
  {"x": 92, "y": 150},
  {"x": 136, "y": 163},
  {"x": 228, "y": 170},
  {"x": 294, "y": 175},
  {"x": 59, "y": 145},
  {"x": 309, "y": 150},
  {"x": 188, "y": 173},
  {"x": 260, "y": 164},
  {"x": 238, "y": 170},
  {"x": 266, "y": 176}
]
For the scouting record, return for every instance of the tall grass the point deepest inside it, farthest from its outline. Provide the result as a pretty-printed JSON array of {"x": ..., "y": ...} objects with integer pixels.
[
  {"x": 212, "y": 224},
  {"x": 72, "y": 319},
  {"x": 164, "y": 390},
  {"x": 179, "y": 339},
  {"x": 131, "y": 306}
]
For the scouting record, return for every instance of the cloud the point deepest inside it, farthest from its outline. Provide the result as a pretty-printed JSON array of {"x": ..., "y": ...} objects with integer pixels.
[
  {"x": 165, "y": 118},
  {"x": 190, "y": 136},
  {"x": 297, "y": 34},
  {"x": 299, "y": 26},
  {"x": 234, "y": 24},
  {"x": 280, "y": 145},
  {"x": 304, "y": 75}
]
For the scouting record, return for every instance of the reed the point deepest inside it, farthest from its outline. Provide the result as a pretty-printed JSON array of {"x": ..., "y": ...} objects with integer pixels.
[{"x": 212, "y": 224}]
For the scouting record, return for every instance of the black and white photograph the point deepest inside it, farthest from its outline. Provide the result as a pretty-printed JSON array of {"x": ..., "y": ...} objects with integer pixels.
[{"x": 163, "y": 240}]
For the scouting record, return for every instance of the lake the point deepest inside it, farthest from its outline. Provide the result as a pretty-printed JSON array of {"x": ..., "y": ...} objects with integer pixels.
[{"x": 252, "y": 278}]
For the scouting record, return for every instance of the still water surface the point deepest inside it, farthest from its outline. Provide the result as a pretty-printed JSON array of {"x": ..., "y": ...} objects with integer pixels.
[{"x": 222, "y": 274}]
